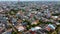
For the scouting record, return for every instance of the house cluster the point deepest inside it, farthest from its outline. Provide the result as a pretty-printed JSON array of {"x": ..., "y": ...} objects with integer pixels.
[{"x": 29, "y": 17}]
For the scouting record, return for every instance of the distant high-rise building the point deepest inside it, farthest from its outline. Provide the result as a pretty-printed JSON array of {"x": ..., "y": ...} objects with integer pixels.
[{"x": 48, "y": 13}]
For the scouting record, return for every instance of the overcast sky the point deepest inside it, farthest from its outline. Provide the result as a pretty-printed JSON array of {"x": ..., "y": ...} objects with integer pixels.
[{"x": 30, "y": 0}]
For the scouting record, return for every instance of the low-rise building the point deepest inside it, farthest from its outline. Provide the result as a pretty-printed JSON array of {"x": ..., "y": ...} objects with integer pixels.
[{"x": 50, "y": 27}]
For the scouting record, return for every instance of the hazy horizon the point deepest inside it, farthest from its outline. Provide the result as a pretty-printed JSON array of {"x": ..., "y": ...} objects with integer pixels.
[{"x": 30, "y": 0}]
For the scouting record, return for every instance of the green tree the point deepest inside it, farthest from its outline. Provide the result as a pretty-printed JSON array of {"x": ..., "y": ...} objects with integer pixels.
[
  {"x": 14, "y": 32},
  {"x": 28, "y": 22}
]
